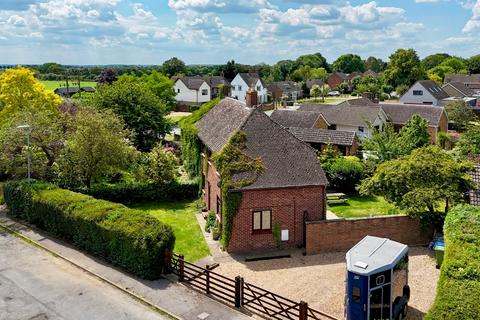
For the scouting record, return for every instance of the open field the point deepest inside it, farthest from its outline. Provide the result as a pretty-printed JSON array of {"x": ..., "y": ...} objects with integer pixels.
[
  {"x": 181, "y": 216},
  {"x": 363, "y": 206},
  {"x": 319, "y": 279},
  {"x": 52, "y": 85}
]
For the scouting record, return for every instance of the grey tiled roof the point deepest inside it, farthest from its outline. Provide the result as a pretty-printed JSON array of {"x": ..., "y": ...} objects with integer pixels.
[
  {"x": 251, "y": 79},
  {"x": 474, "y": 195},
  {"x": 463, "y": 78},
  {"x": 192, "y": 83},
  {"x": 293, "y": 118},
  {"x": 434, "y": 89},
  {"x": 287, "y": 161},
  {"x": 345, "y": 113},
  {"x": 460, "y": 87},
  {"x": 314, "y": 135},
  {"x": 401, "y": 113},
  {"x": 311, "y": 83}
]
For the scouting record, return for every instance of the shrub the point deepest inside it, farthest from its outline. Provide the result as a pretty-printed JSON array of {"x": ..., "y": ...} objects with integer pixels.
[
  {"x": 459, "y": 284},
  {"x": 127, "y": 238},
  {"x": 144, "y": 192},
  {"x": 210, "y": 223},
  {"x": 344, "y": 174}
]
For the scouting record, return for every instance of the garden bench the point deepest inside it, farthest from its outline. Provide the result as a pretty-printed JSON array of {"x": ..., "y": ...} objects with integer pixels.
[{"x": 336, "y": 198}]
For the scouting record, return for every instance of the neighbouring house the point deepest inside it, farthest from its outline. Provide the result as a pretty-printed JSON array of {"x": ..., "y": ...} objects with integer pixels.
[
  {"x": 312, "y": 128},
  {"x": 285, "y": 90},
  {"x": 459, "y": 91},
  {"x": 370, "y": 73},
  {"x": 424, "y": 92},
  {"x": 472, "y": 81},
  {"x": 244, "y": 81},
  {"x": 336, "y": 78},
  {"x": 399, "y": 114},
  {"x": 358, "y": 115},
  {"x": 314, "y": 82},
  {"x": 287, "y": 192},
  {"x": 70, "y": 91},
  {"x": 198, "y": 90}
]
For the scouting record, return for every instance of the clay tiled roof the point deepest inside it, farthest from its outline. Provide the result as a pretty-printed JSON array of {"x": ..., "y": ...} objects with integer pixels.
[
  {"x": 314, "y": 135},
  {"x": 287, "y": 161}
]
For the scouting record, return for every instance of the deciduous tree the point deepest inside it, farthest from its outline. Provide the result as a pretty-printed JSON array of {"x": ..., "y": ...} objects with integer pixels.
[
  {"x": 460, "y": 114},
  {"x": 173, "y": 67},
  {"x": 349, "y": 63},
  {"x": 404, "y": 68},
  {"x": 422, "y": 181}
]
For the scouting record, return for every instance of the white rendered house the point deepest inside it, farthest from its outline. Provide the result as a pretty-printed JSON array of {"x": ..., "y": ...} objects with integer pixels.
[
  {"x": 243, "y": 81},
  {"x": 424, "y": 92}
]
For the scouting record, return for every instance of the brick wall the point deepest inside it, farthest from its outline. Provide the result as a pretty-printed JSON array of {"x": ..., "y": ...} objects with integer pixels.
[
  {"x": 342, "y": 234},
  {"x": 287, "y": 205},
  {"x": 210, "y": 198}
]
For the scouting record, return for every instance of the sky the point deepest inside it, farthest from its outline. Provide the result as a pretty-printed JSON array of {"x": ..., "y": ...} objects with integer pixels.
[{"x": 214, "y": 31}]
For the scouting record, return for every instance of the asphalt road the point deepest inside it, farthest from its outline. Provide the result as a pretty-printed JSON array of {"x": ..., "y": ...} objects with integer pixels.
[{"x": 35, "y": 285}]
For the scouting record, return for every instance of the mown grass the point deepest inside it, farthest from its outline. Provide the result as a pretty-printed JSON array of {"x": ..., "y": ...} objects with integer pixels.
[
  {"x": 181, "y": 216},
  {"x": 363, "y": 206},
  {"x": 52, "y": 85},
  {"x": 328, "y": 99}
]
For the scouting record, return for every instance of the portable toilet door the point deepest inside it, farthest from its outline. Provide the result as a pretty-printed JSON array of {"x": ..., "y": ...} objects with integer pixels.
[{"x": 357, "y": 297}]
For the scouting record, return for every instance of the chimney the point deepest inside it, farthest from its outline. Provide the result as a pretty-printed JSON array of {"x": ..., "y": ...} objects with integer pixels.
[{"x": 251, "y": 98}]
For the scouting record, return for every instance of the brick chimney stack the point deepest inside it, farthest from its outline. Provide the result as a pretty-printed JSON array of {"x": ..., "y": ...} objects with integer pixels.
[{"x": 251, "y": 98}]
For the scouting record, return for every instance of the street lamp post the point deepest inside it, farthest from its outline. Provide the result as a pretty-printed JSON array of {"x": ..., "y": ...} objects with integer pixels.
[{"x": 27, "y": 127}]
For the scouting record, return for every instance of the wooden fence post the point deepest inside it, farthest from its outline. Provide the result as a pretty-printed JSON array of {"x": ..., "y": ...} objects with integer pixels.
[
  {"x": 238, "y": 291},
  {"x": 181, "y": 268},
  {"x": 207, "y": 285},
  {"x": 303, "y": 310},
  {"x": 167, "y": 262}
]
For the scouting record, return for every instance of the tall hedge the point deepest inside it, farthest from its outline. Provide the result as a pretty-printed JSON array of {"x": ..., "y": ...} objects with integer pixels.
[
  {"x": 144, "y": 192},
  {"x": 127, "y": 238},
  {"x": 458, "y": 292}
]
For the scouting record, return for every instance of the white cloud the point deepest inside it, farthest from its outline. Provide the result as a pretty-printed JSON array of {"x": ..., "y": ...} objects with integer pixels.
[
  {"x": 230, "y": 6},
  {"x": 474, "y": 23}
]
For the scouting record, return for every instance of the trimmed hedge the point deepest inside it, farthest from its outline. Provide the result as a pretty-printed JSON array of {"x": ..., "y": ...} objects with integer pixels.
[
  {"x": 125, "y": 237},
  {"x": 131, "y": 193},
  {"x": 458, "y": 290}
]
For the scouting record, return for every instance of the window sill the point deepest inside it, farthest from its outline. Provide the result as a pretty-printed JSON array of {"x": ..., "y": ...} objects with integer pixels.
[{"x": 255, "y": 232}]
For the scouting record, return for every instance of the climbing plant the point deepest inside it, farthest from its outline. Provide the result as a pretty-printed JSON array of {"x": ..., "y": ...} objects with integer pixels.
[
  {"x": 189, "y": 138},
  {"x": 229, "y": 161}
]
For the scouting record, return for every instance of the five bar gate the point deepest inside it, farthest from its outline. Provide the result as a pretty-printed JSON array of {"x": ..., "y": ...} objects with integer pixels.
[{"x": 239, "y": 293}]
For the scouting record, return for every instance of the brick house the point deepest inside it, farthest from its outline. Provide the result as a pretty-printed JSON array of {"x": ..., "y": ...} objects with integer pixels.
[
  {"x": 288, "y": 192},
  {"x": 337, "y": 78},
  {"x": 313, "y": 128},
  {"x": 437, "y": 119}
]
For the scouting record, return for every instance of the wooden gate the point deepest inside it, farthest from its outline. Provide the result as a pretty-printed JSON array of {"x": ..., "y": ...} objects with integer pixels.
[{"x": 236, "y": 292}]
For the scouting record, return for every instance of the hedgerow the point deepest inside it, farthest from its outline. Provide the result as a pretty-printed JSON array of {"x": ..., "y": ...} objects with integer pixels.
[
  {"x": 459, "y": 284},
  {"x": 144, "y": 192},
  {"x": 127, "y": 238}
]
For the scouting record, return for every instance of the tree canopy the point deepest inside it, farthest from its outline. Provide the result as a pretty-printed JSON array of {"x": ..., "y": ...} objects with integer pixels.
[
  {"x": 460, "y": 114},
  {"x": 138, "y": 106},
  {"x": 173, "y": 67},
  {"x": 375, "y": 64},
  {"x": 474, "y": 64},
  {"x": 469, "y": 143},
  {"x": 404, "y": 68},
  {"x": 349, "y": 63},
  {"x": 422, "y": 181},
  {"x": 20, "y": 90},
  {"x": 434, "y": 60}
]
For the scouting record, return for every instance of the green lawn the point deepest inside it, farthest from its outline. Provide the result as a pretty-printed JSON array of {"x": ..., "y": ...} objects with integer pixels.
[
  {"x": 363, "y": 206},
  {"x": 329, "y": 99},
  {"x": 52, "y": 85},
  {"x": 181, "y": 216}
]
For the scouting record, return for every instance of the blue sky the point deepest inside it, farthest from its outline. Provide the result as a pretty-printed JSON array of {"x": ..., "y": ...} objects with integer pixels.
[{"x": 214, "y": 31}]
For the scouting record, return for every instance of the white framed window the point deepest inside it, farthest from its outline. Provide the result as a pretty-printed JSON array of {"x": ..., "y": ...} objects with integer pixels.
[
  {"x": 239, "y": 88},
  {"x": 259, "y": 88},
  {"x": 178, "y": 90},
  {"x": 204, "y": 92},
  {"x": 418, "y": 92},
  {"x": 262, "y": 220},
  {"x": 361, "y": 129}
]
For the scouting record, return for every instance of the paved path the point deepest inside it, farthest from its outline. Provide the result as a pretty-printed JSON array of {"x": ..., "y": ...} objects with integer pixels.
[
  {"x": 36, "y": 285},
  {"x": 167, "y": 294}
]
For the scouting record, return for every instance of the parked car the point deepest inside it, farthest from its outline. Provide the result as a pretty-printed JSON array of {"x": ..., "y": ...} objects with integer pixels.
[{"x": 334, "y": 94}]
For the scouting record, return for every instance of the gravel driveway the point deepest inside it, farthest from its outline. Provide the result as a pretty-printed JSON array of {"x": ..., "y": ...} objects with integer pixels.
[{"x": 319, "y": 279}]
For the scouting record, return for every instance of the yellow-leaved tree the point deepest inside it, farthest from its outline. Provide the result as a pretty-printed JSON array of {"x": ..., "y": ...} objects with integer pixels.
[{"x": 21, "y": 91}]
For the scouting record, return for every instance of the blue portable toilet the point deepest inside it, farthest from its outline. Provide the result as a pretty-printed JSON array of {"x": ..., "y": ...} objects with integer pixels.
[{"x": 377, "y": 280}]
